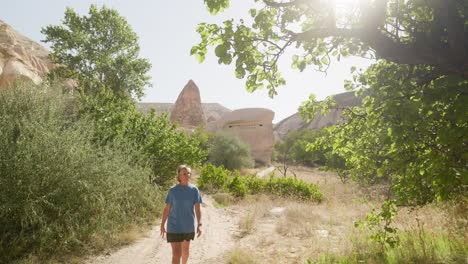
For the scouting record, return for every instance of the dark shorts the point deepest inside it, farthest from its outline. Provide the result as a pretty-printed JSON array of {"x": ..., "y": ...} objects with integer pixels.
[{"x": 179, "y": 237}]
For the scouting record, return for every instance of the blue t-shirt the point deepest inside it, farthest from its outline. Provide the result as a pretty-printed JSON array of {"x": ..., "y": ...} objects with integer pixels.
[{"x": 182, "y": 215}]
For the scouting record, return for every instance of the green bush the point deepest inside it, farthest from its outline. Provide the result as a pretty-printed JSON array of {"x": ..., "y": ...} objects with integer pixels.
[
  {"x": 254, "y": 184},
  {"x": 214, "y": 179},
  {"x": 237, "y": 187},
  {"x": 293, "y": 149},
  {"x": 154, "y": 140},
  {"x": 227, "y": 150},
  {"x": 59, "y": 189},
  {"x": 288, "y": 186}
]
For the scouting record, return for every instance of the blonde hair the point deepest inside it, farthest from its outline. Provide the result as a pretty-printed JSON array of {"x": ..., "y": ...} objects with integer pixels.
[{"x": 183, "y": 167}]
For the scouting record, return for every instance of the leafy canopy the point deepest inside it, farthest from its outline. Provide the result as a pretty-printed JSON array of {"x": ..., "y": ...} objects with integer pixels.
[
  {"x": 409, "y": 134},
  {"x": 410, "y": 129},
  {"x": 98, "y": 50},
  {"x": 407, "y": 32}
]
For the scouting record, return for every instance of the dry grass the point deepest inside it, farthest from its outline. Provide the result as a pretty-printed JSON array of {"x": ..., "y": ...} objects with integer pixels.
[
  {"x": 307, "y": 230},
  {"x": 223, "y": 199},
  {"x": 255, "y": 207},
  {"x": 304, "y": 229},
  {"x": 242, "y": 256},
  {"x": 247, "y": 223},
  {"x": 132, "y": 234},
  {"x": 298, "y": 220}
]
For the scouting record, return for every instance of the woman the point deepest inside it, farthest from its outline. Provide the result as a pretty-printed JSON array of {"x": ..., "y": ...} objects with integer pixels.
[{"x": 181, "y": 201}]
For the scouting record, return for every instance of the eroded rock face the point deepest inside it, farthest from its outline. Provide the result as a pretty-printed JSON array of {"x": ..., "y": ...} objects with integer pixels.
[
  {"x": 253, "y": 126},
  {"x": 21, "y": 58},
  {"x": 295, "y": 122},
  {"x": 188, "y": 111}
]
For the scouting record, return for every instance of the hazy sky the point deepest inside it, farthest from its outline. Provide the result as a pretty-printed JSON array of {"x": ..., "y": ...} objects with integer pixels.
[{"x": 166, "y": 30}]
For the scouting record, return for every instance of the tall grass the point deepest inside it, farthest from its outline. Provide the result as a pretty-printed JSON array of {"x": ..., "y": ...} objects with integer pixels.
[
  {"x": 444, "y": 242},
  {"x": 241, "y": 256},
  {"x": 431, "y": 248},
  {"x": 59, "y": 191}
]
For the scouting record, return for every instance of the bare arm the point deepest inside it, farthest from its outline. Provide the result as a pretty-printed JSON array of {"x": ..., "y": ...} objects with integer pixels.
[
  {"x": 198, "y": 214},
  {"x": 165, "y": 214}
]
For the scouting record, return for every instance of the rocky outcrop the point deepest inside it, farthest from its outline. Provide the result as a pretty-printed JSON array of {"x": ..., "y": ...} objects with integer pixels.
[
  {"x": 295, "y": 122},
  {"x": 212, "y": 111},
  {"x": 253, "y": 126},
  {"x": 21, "y": 58},
  {"x": 187, "y": 111}
]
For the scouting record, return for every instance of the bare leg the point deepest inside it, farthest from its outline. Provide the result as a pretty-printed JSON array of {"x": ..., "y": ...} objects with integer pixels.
[
  {"x": 185, "y": 251},
  {"x": 176, "y": 252}
]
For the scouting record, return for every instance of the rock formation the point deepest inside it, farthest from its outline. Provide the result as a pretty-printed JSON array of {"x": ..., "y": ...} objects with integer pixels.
[
  {"x": 187, "y": 111},
  {"x": 295, "y": 122},
  {"x": 253, "y": 126},
  {"x": 21, "y": 58},
  {"x": 212, "y": 111}
]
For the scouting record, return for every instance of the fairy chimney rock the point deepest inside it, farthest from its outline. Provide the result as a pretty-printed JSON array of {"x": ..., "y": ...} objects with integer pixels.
[
  {"x": 21, "y": 58},
  {"x": 188, "y": 111}
]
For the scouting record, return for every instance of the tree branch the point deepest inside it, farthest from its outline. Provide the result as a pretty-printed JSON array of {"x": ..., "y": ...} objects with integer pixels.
[{"x": 419, "y": 52}]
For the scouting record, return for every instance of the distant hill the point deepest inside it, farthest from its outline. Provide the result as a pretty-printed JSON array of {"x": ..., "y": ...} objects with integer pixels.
[
  {"x": 295, "y": 122},
  {"x": 213, "y": 111}
]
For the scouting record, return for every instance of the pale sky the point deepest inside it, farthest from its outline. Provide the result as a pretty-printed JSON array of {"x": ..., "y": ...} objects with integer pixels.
[{"x": 166, "y": 31}]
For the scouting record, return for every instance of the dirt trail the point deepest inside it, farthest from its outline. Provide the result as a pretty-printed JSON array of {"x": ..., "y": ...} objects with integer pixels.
[
  {"x": 208, "y": 248},
  {"x": 262, "y": 228}
]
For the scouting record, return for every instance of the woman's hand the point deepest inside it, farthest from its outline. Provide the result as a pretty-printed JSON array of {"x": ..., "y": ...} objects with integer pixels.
[
  {"x": 163, "y": 231},
  {"x": 165, "y": 214},
  {"x": 199, "y": 231}
]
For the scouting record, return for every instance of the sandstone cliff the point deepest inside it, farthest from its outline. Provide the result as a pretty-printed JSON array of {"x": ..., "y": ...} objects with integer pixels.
[
  {"x": 295, "y": 122},
  {"x": 21, "y": 58}
]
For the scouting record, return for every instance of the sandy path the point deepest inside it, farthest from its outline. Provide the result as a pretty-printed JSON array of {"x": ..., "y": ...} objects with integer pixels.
[{"x": 216, "y": 239}]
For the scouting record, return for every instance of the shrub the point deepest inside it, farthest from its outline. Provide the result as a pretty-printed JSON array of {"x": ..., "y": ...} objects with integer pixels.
[
  {"x": 227, "y": 150},
  {"x": 287, "y": 186},
  {"x": 254, "y": 184},
  {"x": 237, "y": 187},
  {"x": 59, "y": 189},
  {"x": 154, "y": 139},
  {"x": 293, "y": 149},
  {"x": 214, "y": 178}
]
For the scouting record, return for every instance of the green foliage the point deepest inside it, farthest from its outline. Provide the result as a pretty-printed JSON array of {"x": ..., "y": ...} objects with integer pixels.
[
  {"x": 317, "y": 32},
  {"x": 227, "y": 150},
  {"x": 384, "y": 234},
  {"x": 253, "y": 184},
  {"x": 410, "y": 129},
  {"x": 154, "y": 140},
  {"x": 293, "y": 148},
  {"x": 292, "y": 187},
  {"x": 416, "y": 246},
  {"x": 216, "y": 6},
  {"x": 202, "y": 137},
  {"x": 214, "y": 179},
  {"x": 98, "y": 50},
  {"x": 60, "y": 190},
  {"x": 410, "y": 134},
  {"x": 237, "y": 187}
]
